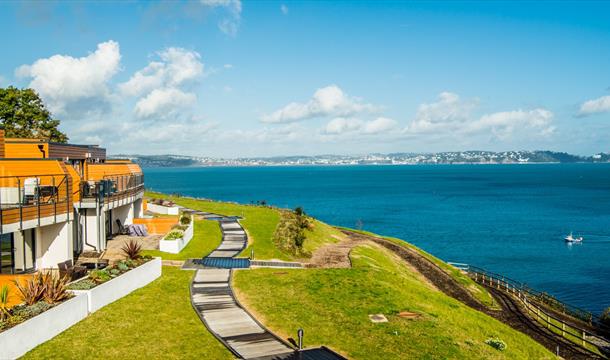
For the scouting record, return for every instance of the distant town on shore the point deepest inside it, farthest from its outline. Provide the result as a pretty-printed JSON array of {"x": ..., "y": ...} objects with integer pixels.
[{"x": 459, "y": 157}]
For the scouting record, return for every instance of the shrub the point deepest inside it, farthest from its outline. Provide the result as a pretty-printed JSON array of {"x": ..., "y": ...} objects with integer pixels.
[
  {"x": 4, "y": 308},
  {"x": 185, "y": 219},
  {"x": 32, "y": 289},
  {"x": 605, "y": 317},
  {"x": 174, "y": 234},
  {"x": 28, "y": 311},
  {"x": 496, "y": 344},
  {"x": 122, "y": 266},
  {"x": 82, "y": 285},
  {"x": 289, "y": 234},
  {"x": 99, "y": 276},
  {"x": 132, "y": 249},
  {"x": 56, "y": 289}
]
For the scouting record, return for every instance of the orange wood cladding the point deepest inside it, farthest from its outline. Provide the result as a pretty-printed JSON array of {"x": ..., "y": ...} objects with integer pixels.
[
  {"x": 14, "y": 296},
  {"x": 31, "y": 149},
  {"x": 157, "y": 225},
  {"x": 97, "y": 172}
]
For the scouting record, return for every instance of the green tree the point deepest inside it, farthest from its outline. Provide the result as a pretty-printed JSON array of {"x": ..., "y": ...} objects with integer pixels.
[{"x": 24, "y": 115}]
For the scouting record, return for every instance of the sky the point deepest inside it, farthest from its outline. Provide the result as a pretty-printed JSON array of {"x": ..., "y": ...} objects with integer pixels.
[{"x": 231, "y": 78}]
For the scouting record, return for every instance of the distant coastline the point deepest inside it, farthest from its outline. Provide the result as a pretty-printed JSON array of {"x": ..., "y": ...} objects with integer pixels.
[{"x": 443, "y": 158}]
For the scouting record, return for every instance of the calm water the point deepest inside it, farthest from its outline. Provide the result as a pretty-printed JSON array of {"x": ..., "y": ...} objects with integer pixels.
[{"x": 509, "y": 219}]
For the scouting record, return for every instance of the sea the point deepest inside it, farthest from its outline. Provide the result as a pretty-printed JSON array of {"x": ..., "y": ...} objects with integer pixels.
[{"x": 507, "y": 219}]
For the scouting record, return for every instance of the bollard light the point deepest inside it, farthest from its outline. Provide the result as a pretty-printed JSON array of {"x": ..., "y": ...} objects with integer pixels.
[
  {"x": 300, "y": 335},
  {"x": 251, "y": 254}
]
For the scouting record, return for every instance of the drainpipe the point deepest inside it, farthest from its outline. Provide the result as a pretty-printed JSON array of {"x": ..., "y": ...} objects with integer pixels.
[{"x": 41, "y": 148}]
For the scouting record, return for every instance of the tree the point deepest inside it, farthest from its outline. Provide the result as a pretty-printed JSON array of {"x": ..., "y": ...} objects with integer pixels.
[{"x": 24, "y": 115}]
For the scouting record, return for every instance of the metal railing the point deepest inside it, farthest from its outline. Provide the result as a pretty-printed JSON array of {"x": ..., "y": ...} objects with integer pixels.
[
  {"x": 112, "y": 187},
  {"x": 545, "y": 311},
  {"x": 31, "y": 197}
]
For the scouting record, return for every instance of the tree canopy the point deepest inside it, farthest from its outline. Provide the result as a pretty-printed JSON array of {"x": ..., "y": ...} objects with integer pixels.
[{"x": 24, "y": 115}]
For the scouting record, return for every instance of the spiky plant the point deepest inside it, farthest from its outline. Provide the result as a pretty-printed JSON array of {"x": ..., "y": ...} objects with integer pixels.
[
  {"x": 132, "y": 249},
  {"x": 4, "y": 308},
  {"x": 56, "y": 288},
  {"x": 32, "y": 290}
]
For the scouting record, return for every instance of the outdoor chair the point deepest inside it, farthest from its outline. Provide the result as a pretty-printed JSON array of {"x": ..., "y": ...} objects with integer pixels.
[
  {"x": 67, "y": 268},
  {"x": 123, "y": 230}
]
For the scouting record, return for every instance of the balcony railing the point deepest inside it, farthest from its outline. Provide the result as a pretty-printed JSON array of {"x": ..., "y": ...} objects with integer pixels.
[
  {"x": 32, "y": 197},
  {"x": 112, "y": 187}
]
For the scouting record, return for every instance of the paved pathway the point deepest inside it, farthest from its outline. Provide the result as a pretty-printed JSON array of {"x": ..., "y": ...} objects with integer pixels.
[{"x": 215, "y": 303}]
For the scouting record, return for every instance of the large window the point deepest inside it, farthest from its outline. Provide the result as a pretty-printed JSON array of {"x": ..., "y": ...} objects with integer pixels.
[{"x": 18, "y": 252}]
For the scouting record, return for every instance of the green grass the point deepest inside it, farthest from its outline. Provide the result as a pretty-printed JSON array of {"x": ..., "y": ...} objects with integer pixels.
[
  {"x": 153, "y": 322},
  {"x": 378, "y": 283},
  {"x": 260, "y": 223},
  {"x": 479, "y": 292},
  {"x": 206, "y": 237}
]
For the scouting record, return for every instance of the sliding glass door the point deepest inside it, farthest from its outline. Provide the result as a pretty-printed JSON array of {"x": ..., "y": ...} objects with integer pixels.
[{"x": 7, "y": 254}]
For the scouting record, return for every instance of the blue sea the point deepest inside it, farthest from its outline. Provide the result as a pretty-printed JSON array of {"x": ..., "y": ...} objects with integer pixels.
[{"x": 509, "y": 219}]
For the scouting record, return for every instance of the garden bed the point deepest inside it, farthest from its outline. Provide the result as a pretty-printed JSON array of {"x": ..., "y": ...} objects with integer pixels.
[
  {"x": 163, "y": 207},
  {"x": 176, "y": 240},
  {"x": 21, "y": 338},
  {"x": 110, "y": 289}
]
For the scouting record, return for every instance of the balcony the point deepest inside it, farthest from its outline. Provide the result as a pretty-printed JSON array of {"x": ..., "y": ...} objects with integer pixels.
[
  {"x": 112, "y": 188},
  {"x": 34, "y": 200}
]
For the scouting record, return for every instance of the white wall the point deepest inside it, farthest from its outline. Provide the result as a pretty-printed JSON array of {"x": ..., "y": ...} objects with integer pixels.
[
  {"x": 124, "y": 214},
  {"x": 53, "y": 245},
  {"x": 92, "y": 232},
  {"x": 138, "y": 211}
]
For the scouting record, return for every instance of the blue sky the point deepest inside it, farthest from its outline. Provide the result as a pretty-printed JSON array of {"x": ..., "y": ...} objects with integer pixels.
[{"x": 230, "y": 78}]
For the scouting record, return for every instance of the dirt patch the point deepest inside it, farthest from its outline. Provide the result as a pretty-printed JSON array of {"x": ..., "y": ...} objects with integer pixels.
[
  {"x": 113, "y": 247},
  {"x": 334, "y": 255}
]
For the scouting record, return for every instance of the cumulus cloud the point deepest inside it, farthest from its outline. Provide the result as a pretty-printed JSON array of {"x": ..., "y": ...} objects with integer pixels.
[
  {"x": 162, "y": 103},
  {"x": 327, "y": 101},
  {"x": 66, "y": 83},
  {"x": 229, "y": 24},
  {"x": 340, "y": 126},
  {"x": 163, "y": 86},
  {"x": 452, "y": 116},
  {"x": 595, "y": 106}
]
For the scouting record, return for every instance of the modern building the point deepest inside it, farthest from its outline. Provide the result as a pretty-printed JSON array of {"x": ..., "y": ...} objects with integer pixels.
[{"x": 58, "y": 200}]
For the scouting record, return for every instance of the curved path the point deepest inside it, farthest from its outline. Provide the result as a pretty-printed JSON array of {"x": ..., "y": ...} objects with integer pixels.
[{"x": 214, "y": 301}]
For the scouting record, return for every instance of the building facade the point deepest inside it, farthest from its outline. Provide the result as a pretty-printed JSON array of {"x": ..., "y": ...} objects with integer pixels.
[{"x": 58, "y": 200}]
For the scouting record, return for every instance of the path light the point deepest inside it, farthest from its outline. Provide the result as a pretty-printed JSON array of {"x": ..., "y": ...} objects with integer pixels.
[
  {"x": 251, "y": 254},
  {"x": 300, "y": 335}
]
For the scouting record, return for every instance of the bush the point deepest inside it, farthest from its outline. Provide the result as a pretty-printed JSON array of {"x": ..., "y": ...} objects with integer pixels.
[
  {"x": 32, "y": 289},
  {"x": 185, "y": 219},
  {"x": 99, "y": 276},
  {"x": 4, "y": 308},
  {"x": 496, "y": 344},
  {"x": 56, "y": 289},
  {"x": 82, "y": 285},
  {"x": 174, "y": 235},
  {"x": 289, "y": 234},
  {"x": 605, "y": 317}
]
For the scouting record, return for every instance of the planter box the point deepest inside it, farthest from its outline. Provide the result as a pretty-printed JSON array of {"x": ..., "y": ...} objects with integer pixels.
[
  {"x": 122, "y": 285},
  {"x": 160, "y": 209},
  {"x": 175, "y": 246},
  {"x": 22, "y": 338}
]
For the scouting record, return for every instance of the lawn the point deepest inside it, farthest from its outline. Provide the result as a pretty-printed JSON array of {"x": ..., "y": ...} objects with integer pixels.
[
  {"x": 206, "y": 237},
  {"x": 378, "y": 283},
  {"x": 260, "y": 223},
  {"x": 154, "y": 322}
]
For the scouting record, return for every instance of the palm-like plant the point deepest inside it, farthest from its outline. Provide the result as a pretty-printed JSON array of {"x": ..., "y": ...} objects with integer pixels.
[
  {"x": 4, "y": 308},
  {"x": 132, "y": 249},
  {"x": 56, "y": 288},
  {"x": 32, "y": 290}
]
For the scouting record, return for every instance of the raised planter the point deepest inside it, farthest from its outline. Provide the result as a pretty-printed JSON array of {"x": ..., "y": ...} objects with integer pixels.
[
  {"x": 122, "y": 285},
  {"x": 22, "y": 338},
  {"x": 175, "y": 246},
  {"x": 161, "y": 209}
]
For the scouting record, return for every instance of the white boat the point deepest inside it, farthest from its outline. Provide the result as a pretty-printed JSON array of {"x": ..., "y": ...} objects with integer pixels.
[{"x": 571, "y": 238}]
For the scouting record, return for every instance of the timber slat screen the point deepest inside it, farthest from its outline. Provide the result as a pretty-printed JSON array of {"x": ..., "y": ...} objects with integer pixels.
[{"x": 32, "y": 197}]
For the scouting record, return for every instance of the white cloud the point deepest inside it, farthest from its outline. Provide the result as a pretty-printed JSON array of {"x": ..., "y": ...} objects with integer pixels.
[
  {"x": 66, "y": 83},
  {"x": 177, "y": 67},
  {"x": 163, "y": 86},
  {"x": 452, "y": 116},
  {"x": 595, "y": 106},
  {"x": 340, "y": 126},
  {"x": 228, "y": 66},
  {"x": 284, "y": 9},
  {"x": 327, "y": 101},
  {"x": 163, "y": 103},
  {"x": 230, "y": 24}
]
